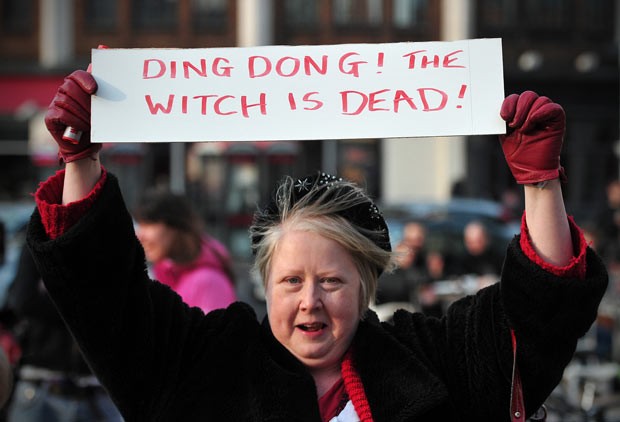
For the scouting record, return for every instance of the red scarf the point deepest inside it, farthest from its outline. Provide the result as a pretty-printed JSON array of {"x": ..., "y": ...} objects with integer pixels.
[
  {"x": 349, "y": 387},
  {"x": 355, "y": 388}
]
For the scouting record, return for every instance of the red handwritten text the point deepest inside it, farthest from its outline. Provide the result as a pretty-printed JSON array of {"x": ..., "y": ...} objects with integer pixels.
[
  {"x": 261, "y": 66},
  {"x": 221, "y": 105},
  {"x": 307, "y": 98},
  {"x": 156, "y": 68},
  {"x": 429, "y": 99},
  {"x": 433, "y": 61}
]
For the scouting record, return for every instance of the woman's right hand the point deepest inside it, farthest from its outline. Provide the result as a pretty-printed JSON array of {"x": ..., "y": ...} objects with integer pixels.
[{"x": 71, "y": 107}]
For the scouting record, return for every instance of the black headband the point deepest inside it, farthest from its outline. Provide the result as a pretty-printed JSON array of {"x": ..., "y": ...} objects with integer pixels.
[{"x": 364, "y": 215}]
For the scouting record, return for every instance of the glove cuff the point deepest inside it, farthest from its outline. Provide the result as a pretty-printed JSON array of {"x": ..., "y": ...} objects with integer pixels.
[
  {"x": 68, "y": 157},
  {"x": 534, "y": 177}
]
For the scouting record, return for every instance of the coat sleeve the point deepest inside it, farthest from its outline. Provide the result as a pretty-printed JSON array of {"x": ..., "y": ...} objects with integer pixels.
[
  {"x": 548, "y": 314},
  {"x": 136, "y": 334},
  {"x": 470, "y": 348}
]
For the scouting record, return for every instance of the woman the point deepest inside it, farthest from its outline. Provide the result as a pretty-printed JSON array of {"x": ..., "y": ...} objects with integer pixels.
[
  {"x": 320, "y": 247},
  {"x": 183, "y": 256}
]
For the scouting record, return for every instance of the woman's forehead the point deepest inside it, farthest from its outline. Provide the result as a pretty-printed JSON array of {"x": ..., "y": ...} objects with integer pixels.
[{"x": 303, "y": 248}]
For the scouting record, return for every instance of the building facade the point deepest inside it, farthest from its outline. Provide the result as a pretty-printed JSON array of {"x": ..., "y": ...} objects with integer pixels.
[{"x": 566, "y": 49}]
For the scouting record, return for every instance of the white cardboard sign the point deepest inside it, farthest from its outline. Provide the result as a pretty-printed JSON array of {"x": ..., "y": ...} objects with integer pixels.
[{"x": 298, "y": 92}]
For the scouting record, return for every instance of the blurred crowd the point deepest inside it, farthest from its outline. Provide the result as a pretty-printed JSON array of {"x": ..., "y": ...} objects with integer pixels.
[{"x": 429, "y": 278}]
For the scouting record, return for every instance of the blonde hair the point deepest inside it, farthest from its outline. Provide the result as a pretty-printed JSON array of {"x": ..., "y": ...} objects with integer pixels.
[{"x": 336, "y": 209}]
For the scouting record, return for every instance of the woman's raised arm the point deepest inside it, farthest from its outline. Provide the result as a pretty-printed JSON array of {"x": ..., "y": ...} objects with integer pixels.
[
  {"x": 71, "y": 107},
  {"x": 532, "y": 146},
  {"x": 80, "y": 178},
  {"x": 547, "y": 223}
]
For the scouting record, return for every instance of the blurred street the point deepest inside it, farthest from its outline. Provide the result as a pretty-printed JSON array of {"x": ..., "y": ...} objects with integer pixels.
[{"x": 566, "y": 50}]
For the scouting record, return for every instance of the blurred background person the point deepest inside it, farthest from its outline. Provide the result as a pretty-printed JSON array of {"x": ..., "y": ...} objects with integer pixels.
[
  {"x": 607, "y": 226},
  {"x": 401, "y": 284},
  {"x": 414, "y": 238},
  {"x": 417, "y": 269},
  {"x": 479, "y": 258},
  {"x": 430, "y": 303},
  {"x": 436, "y": 266},
  {"x": 511, "y": 200},
  {"x": 182, "y": 255},
  {"x": 53, "y": 382}
]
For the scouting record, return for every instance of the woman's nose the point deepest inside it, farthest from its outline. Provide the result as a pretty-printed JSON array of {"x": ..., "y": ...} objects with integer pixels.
[{"x": 311, "y": 296}]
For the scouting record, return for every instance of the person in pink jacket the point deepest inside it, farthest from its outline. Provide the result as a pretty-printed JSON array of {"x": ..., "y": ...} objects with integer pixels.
[{"x": 182, "y": 255}]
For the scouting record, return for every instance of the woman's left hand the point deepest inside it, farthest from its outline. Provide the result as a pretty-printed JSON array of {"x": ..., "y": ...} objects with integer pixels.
[{"x": 533, "y": 142}]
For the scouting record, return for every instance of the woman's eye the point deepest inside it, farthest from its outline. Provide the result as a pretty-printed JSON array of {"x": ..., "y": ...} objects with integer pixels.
[
  {"x": 293, "y": 280},
  {"x": 331, "y": 280}
]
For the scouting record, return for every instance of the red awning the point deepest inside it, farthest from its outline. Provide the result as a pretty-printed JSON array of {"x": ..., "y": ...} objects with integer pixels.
[{"x": 18, "y": 91}]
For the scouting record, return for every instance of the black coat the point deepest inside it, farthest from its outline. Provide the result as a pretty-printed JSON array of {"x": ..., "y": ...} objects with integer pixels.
[
  {"x": 163, "y": 361},
  {"x": 42, "y": 335}
]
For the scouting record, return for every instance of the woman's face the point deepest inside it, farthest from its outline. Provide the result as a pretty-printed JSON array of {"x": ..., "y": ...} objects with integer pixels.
[
  {"x": 313, "y": 298},
  {"x": 156, "y": 239}
]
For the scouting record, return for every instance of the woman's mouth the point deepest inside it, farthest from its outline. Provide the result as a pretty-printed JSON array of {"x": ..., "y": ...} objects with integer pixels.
[{"x": 312, "y": 327}]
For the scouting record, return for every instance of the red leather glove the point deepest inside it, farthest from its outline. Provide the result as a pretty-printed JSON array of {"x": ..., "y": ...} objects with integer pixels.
[
  {"x": 71, "y": 107},
  {"x": 534, "y": 137}
]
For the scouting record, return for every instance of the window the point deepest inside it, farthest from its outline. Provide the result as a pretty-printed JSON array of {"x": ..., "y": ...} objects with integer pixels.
[
  {"x": 155, "y": 14},
  {"x": 552, "y": 19},
  {"x": 547, "y": 14},
  {"x": 17, "y": 16},
  {"x": 358, "y": 12},
  {"x": 301, "y": 14},
  {"x": 209, "y": 15},
  {"x": 101, "y": 14},
  {"x": 410, "y": 13},
  {"x": 498, "y": 15},
  {"x": 358, "y": 161},
  {"x": 596, "y": 17}
]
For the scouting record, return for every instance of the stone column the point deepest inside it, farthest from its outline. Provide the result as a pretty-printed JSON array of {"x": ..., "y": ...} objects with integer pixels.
[{"x": 56, "y": 37}]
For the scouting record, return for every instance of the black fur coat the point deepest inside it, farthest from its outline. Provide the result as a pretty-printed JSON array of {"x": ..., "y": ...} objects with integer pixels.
[{"x": 163, "y": 361}]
